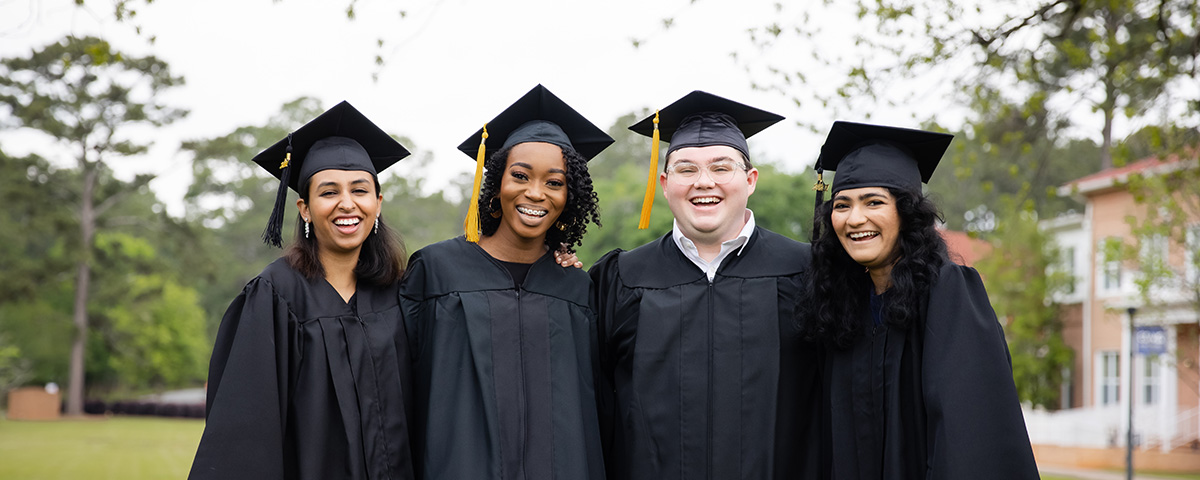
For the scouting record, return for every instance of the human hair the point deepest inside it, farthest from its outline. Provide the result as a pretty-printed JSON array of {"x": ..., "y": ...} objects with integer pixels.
[
  {"x": 582, "y": 203},
  {"x": 380, "y": 262},
  {"x": 832, "y": 302}
]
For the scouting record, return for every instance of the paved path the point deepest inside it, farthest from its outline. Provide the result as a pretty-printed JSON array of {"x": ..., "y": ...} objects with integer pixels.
[{"x": 1096, "y": 474}]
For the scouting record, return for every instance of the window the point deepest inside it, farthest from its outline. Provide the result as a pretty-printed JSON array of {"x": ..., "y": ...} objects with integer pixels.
[
  {"x": 1151, "y": 380},
  {"x": 1110, "y": 378},
  {"x": 1066, "y": 390},
  {"x": 1112, "y": 276},
  {"x": 1192, "y": 254}
]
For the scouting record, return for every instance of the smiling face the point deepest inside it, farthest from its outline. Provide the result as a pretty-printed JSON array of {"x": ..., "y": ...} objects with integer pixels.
[
  {"x": 867, "y": 224},
  {"x": 533, "y": 192},
  {"x": 342, "y": 206},
  {"x": 708, "y": 212}
]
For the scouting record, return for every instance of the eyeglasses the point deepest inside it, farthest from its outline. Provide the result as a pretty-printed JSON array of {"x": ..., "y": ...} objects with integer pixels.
[{"x": 683, "y": 173}]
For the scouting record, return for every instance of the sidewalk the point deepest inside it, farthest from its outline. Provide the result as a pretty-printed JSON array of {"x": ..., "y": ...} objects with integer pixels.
[{"x": 1096, "y": 474}]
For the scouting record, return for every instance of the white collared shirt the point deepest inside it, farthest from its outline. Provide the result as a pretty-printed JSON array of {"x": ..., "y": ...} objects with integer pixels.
[{"x": 710, "y": 268}]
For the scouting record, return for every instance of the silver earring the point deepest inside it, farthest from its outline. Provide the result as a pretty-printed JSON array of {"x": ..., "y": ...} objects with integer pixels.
[
  {"x": 377, "y": 224},
  {"x": 306, "y": 229}
]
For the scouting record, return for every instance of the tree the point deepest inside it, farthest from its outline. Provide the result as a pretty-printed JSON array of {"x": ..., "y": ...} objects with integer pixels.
[
  {"x": 148, "y": 330},
  {"x": 85, "y": 95},
  {"x": 1005, "y": 150},
  {"x": 1021, "y": 278},
  {"x": 1088, "y": 64}
]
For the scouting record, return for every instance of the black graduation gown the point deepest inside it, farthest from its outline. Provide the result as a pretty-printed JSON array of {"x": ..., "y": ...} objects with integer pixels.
[
  {"x": 303, "y": 385},
  {"x": 933, "y": 402},
  {"x": 503, "y": 374},
  {"x": 706, "y": 380}
]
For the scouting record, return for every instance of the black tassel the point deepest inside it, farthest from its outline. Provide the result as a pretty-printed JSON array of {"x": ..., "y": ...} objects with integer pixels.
[
  {"x": 273, "y": 234},
  {"x": 820, "y": 198}
]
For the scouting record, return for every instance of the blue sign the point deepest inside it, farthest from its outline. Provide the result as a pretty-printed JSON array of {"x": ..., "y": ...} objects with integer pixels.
[{"x": 1150, "y": 340}]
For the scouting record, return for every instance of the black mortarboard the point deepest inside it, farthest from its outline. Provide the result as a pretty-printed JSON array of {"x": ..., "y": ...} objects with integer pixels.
[
  {"x": 699, "y": 119},
  {"x": 538, "y": 116},
  {"x": 866, "y": 155},
  {"x": 342, "y": 139}
]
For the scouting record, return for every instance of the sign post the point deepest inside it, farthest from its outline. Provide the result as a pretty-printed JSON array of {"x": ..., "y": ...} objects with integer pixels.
[{"x": 1132, "y": 396}]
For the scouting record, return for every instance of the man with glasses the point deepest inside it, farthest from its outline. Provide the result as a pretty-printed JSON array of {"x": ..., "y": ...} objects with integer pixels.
[{"x": 702, "y": 374}]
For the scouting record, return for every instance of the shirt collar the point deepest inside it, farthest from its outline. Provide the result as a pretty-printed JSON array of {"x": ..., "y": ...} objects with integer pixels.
[{"x": 743, "y": 237}]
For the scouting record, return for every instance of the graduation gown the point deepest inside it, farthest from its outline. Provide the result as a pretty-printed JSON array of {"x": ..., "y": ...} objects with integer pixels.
[
  {"x": 503, "y": 374},
  {"x": 936, "y": 401},
  {"x": 706, "y": 379},
  {"x": 303, "y": 385}
]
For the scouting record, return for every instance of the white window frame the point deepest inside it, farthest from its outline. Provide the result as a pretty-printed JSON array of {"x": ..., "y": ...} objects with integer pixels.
[
  {"x": 1108, "y": 388},
  {"x": 1191, "y": 250},
  {"x": 1150, "y": 383}
]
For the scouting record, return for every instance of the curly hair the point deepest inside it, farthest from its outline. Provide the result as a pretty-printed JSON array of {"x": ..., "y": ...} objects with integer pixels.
[
  {"x": 831, "y": 304},
  {"x": 380, "y": 262},
  {"x": 582, "y": 203}
]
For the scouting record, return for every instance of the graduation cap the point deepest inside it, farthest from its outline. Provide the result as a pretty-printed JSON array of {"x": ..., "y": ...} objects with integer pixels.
[
  {"x": 699, "y": 119},
  {"x": 340, "y": 139},
  {"x": 865, "y": 155},
  {"x": 538, "y": 116}
]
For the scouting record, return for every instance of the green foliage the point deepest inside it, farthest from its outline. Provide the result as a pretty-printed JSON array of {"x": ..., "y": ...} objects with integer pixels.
[
  {"x": 14, "y": 369},
  {"x": 85, "y": 95},
  {"x": 1010, "y": 149},
  {"x": 1021, "y": 279}
]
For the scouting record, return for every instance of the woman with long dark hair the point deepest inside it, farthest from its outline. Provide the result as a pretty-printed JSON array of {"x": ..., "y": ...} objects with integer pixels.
[
  {"x": 309, "y": 375},
  {"x": 501, "y": 334},
  {"x": 917, "y": 379}
]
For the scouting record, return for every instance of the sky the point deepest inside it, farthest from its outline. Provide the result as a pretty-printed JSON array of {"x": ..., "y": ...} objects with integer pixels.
[{"x": 450, "y": 65}]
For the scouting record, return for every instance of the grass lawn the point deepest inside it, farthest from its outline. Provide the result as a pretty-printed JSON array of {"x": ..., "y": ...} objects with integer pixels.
[{"x": 99, "y": 448}]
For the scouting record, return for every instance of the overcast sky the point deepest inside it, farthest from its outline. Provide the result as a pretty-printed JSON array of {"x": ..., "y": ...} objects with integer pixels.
[{"x": 450, "y": 65}]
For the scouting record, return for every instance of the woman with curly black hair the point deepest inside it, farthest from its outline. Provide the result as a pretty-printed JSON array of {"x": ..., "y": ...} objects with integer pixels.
[
  {"x": 501, "y": 334},
  {"x": 917, "y": 378}
]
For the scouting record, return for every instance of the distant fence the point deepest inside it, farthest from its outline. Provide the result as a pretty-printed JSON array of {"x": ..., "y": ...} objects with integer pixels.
[
  {"x": 178, "y": 410},
  {"x": 1104, "y": 427}
]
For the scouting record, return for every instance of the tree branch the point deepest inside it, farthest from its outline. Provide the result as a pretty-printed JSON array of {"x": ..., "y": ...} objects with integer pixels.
[
  {"x": 986, "y": 41},
  {"x": 137, "y": 183}
]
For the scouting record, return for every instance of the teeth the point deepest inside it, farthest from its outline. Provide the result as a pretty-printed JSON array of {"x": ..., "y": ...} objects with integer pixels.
[
  {"x": 346, "y": 221},
  {"x": 706, "y": 200},
  {"x": 530, "y": 211},
  {"x": 859, "y": 235}
]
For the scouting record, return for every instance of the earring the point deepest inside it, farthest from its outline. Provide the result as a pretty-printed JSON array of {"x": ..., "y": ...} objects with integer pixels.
[
  {"x": 306, "y": 229},
  {"x": 561, "y": 226},
  {"x": 377, "y": 224},
  {"x": 495, "y": 210}
]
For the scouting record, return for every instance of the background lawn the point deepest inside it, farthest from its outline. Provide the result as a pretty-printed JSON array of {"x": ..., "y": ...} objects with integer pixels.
[{"x": 99, "y": 448}]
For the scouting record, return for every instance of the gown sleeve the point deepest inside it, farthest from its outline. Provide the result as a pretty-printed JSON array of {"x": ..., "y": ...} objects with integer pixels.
[
  {"x": 605, "y": 284},
  {"x": 976, "y": 428},
  {"x": 247, "y": 391}
]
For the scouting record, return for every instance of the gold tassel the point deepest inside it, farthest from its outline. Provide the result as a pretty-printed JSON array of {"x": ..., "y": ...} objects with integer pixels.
[
  {"x": 471, "y": 224},
  {"x": 820, "y": 186},
  {"x": 648, "y": 200}
]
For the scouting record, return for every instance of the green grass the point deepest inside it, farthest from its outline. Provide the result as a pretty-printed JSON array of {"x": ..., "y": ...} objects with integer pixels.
[{"x": 125, "y": 448}]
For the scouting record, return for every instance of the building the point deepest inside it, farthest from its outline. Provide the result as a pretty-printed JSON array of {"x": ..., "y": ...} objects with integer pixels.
[{"x": 1096, "y": 313}]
